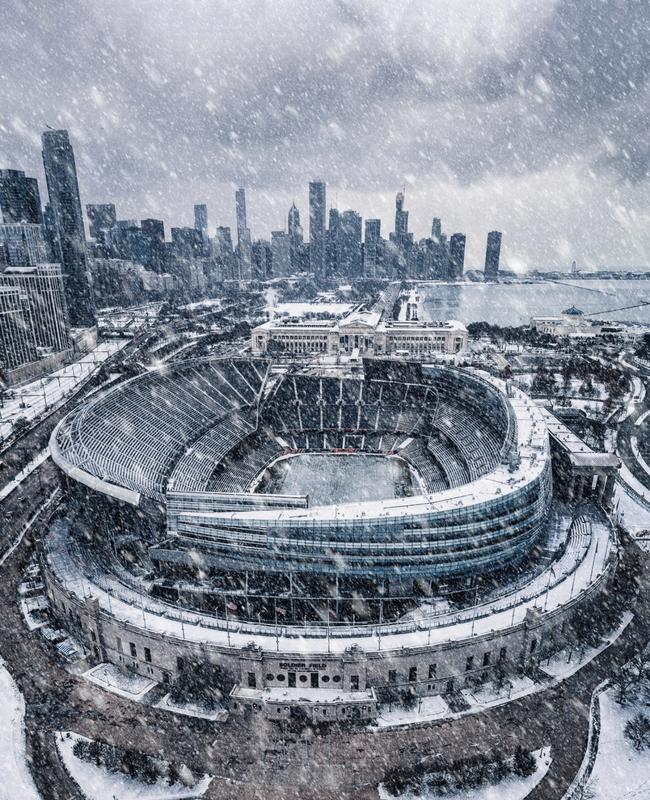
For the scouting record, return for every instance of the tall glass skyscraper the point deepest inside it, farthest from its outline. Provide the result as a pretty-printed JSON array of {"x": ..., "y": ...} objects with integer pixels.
[
  {"x": 456, "y": 256},
  {"x": 201, "y": 218},
  {"x": 20, "y": 200},
  {"x": 63, "y": 191},
  {"x": 492, "y": 254},
  {"x": 244, "y": 243},
  {"x": 317, "y": 228}
]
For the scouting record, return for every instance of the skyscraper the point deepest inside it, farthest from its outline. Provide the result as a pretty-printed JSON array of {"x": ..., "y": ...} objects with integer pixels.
[
  {"x": 401, "y": 217},
  {"x": 101, "y": 218},
  {"x": 280, "y": 254},
  {"x": 17, "y": 345},
  {"x": 332, "y": 243},
  {"x": 244, "y": 244},
  {"x": 222, "y": 250},
  {"x": 436, "y": 229},
  {"x": 262, "y": 260},
  {"x": 63, "y": 191},
  {"x": 240, "y": 211},
  {"x": 154, "y": 231},
  {"x": 23, "y": 243},
  {"x": 48, "y": 315},
  {"x": 350, "y": 245},
  {"x": 372, "y": 248},
  {"x": 456, "y": 256},
  {"x": 401, "y": 240},
  {"x": 201, "y": 218},
  {"x": 317, "y": 204},
  {"x": 295, "y": 237},
  {"x": 492, "y": 254},
  {"x": 20, "y": 200}
]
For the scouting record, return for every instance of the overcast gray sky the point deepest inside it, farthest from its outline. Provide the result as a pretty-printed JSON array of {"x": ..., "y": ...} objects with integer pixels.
[{"x": 530, "y": 116}]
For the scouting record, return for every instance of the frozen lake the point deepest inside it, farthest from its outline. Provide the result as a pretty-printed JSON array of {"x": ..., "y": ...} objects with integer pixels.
[{"x": 515, "y": 303}]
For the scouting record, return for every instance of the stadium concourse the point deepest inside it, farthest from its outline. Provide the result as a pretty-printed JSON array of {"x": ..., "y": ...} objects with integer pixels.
[{"x": 179, "y": 545}]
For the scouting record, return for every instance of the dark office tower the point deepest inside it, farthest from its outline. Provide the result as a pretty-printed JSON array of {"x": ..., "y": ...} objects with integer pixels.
[
  {"x": 222, "y": 250},
  {"x": 350, "y": 245},
  {"x": 436, "y": 229},
  {"x": 280, "y": 254},
  {"x": 492, "y": 253},
  {"x": 63, "y": 191},
  {"x": 101, "y": 218},
  {"x": 317, "y": 205},
  {"x": 332, "y": 243},
  {"x": 401, "y": 217},
  {"x": 456, "y": 256},
  {"x": 154, "y": 231},
  {"x": 372, "y": 248},
  {"x": 201, "y": 218},
  {"x": 244, "y": 244},
  {"x": 20, "y": 200},
  {"x": 51, "y": 233},
  {"x": 261, "y": 258},
  {"x": 240, "y": 212},
  {"x": 295, "y": 239}
]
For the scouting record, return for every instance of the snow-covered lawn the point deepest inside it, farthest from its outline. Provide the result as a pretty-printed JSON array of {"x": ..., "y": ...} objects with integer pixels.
[
  {"x": 97, "y": 783},
  {"x": 488, "y": 695},
  {"x": 27, "y": 470},
  {"x": 33, "y": 611},
  {"x": 17, "y": 783},
  {"x": 218, "y": 714},
  {"x": 620, "y": 772},
  {"x": 427, "y": 708},
  {"x": 511, "y": 788},
  {"x": 564, "y": 663},
  {"x": 300, "y": 309},
  {"x": 111, "y": 678}
]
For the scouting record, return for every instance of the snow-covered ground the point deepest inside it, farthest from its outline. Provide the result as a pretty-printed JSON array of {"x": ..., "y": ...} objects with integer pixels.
[
  {"x": 36, "y": 462},
  {"x": 427, "y": 708},
  {"x": 50, "y": 390},
  {"x": 620, "y": 772},
  {"x": 632, "y": 515},
  {"x": 217, "y": 714},
  {"x": 511, "y": 788},
  {"x": 17, "y": 782},
  {"x": 97, "y": 783},
  {"x": 487, "y": 694},
  {"x": 111, "y": 678},
  {"x": 566, "y": 662},
  {"x": 300, "y": 309}
]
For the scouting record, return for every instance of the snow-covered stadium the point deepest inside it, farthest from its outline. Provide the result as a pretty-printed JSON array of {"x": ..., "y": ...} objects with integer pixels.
[{"x": 319, "y": 528}]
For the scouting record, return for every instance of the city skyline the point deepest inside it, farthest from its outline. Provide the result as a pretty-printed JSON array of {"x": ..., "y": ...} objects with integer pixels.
[{"x": 495, "y": 129}]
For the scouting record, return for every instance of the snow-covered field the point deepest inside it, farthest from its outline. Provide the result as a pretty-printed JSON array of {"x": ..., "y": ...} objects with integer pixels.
[
  {"x": 488, "y": 694},
  {"x": 16, "y": 783},
  {"x": 340, "y": 478},
  {"x": 566, "y": 662},
  {"x": 98, "y": 783},
  {"x": 109, "y": 677},
  {"x": 511, "y": 788},
  {"x": 300, "y": 309},
  {"x": 35, "y": 463},
  {"x": 620, "y": 772},
  {"x": 427, "y": 708},
  {"x": 218, "y": 714}
]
